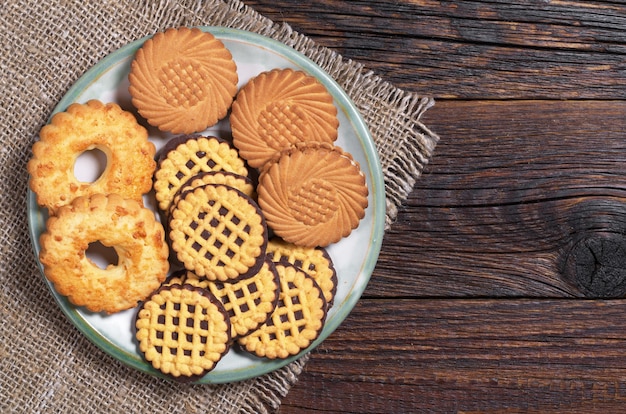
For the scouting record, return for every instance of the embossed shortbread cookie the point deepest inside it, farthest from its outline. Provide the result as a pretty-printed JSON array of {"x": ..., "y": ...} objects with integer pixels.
[
  {"x": 313, "y": 194},
  {"x": 279, "y": 108},
  {"x": 183, "y": 80}
]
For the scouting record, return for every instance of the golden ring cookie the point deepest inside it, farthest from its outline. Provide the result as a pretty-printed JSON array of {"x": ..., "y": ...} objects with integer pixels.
[
  {"x": 126, "y": 226},
  {"x": 313, "y": 194},
  {"x": 279, "y": 108},
  {"x": 84, "y": 127},
  {"x": 297, "y": 320},
  {"x": 218, "y": 233},
  {"x": 183, "y": 331},
  {"x": 240, "y": 182},
  {"x": 314, "y": 261},
  {"x": 185, "y": 156},
  {"x": 183, "y": 80}
]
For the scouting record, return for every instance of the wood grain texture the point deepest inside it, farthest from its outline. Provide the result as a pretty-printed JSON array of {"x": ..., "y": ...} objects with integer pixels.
[
  {"x": 474, "y": 49},
  {"x": 472, "y": 306}
]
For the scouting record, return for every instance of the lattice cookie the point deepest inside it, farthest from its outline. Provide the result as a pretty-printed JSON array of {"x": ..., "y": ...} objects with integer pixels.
[
  {"x": 297, "y": 320},
  {"x": 240, "y": 182},
  {"x": 218, "y": 233},
  {"x": 185, "y": 156},
  {"x": 314, "y": 261},
  {"x": 251, "y": 301},
  {"x": 183, "y": 331}
]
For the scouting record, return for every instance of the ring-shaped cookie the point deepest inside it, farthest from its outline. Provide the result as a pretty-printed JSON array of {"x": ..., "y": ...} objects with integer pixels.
[
  {"x": 126, "y": 226},
  {"x": 84, "y": 127}
]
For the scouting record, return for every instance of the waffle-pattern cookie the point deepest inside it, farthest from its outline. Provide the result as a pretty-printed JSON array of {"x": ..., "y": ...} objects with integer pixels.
[
  {"x": 279, "y": 108},
  {"x": 313, "y": 194},
  {"x": 83, "y": 127},
  {"x": 183, "y": 331},
  {"x": 183, "y": 80},
  {"x": 314, "y": 261},
  {"x": 218, "y": 232},
  {"x": 186, "y": 156},
  {"x": 240, "y": 182},
  {"x": 250, "y": 301},
  {"x": 297, "y": 320},
  {"x": 126, "y": 226}
]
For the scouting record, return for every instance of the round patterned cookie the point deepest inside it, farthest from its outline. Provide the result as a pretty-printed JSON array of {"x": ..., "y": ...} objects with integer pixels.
[
  {"x": 183, "y": 157},
  {"x": 279, "y": 108},
  {"x": 183, "y": 331},
  {"x": 240, "y": 182},
  {"x": 314, "y": 261},
  {"x": 250, "y": 301},
  {"x": 313, "y": 194},
  {"x": 183, "y": 80},
  {"x": 218, "y": 232},
  {"x": 124, "y": 225},
  {"x": 297, "y": 320},
  {"x": 84, "y": 127}
]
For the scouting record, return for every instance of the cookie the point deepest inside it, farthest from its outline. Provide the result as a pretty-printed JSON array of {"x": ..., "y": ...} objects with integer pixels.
[
  {"x": 126, "y": 226},
  {"x": 183, "y": 331},
  {"x": 278, "y": 108},
  {"x": 185, "y": 156},
  {"x": 84, "y": 127},
  {"x": 297, "y": 320},
  {"x": 314, "y": 261},
  {"x": 218, "y": 232},
  {"x": 240, "y": 182},
  {"x": 183, "y": 80},
  {"x": 313, "y": 194},
  {"x": 250, "y": 301}
]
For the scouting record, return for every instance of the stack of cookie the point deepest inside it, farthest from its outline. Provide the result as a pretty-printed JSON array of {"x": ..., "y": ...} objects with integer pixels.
[{"x": 247, "y": 221}]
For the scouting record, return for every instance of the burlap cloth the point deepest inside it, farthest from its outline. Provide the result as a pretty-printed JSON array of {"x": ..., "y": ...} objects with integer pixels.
[{"x": 46, "y": 365}]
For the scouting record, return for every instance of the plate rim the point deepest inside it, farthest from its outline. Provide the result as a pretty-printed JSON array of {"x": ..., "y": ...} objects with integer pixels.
[{"x": 36, "y": 215}]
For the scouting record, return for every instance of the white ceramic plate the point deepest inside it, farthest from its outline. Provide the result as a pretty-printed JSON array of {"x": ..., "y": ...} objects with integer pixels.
[{"x": 354, "y": 257}]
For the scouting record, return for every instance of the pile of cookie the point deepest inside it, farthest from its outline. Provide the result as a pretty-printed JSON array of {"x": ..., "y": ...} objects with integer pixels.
[{"x": 238, "y": 255}]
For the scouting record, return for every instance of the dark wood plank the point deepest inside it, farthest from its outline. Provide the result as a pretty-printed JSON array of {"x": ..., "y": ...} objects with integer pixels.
[
  {"x": 469, "y": 356},
  {"x": 474, "y": 49},
  {"x": 512, "y": 187}
]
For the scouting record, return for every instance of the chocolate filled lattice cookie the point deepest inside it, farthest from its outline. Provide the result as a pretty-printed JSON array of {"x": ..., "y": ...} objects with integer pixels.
[
  {"x": 240, "y": 182},
  {"x": 218, "y": 233},
  {"x": 314, "y": 261},
  {"x": 249, "y": 302},
  {"x": 184, "y": 157},
  {"x": 183, "y": 331},
  {"x": 297, "y": 320}
]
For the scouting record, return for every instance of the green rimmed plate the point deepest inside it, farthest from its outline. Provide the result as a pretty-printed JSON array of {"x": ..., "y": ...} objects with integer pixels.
[{"x": 354, "y": 257}]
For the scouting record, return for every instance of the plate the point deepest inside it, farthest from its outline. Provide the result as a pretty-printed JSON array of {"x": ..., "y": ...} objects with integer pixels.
[{"x": 354, "y": 257}]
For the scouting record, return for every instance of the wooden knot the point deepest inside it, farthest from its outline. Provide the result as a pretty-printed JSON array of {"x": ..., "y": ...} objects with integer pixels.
[{"x": 597, "y": 265}]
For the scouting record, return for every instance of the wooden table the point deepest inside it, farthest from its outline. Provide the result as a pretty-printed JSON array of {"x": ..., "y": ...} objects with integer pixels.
[{"x": 500, "y": 287}]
